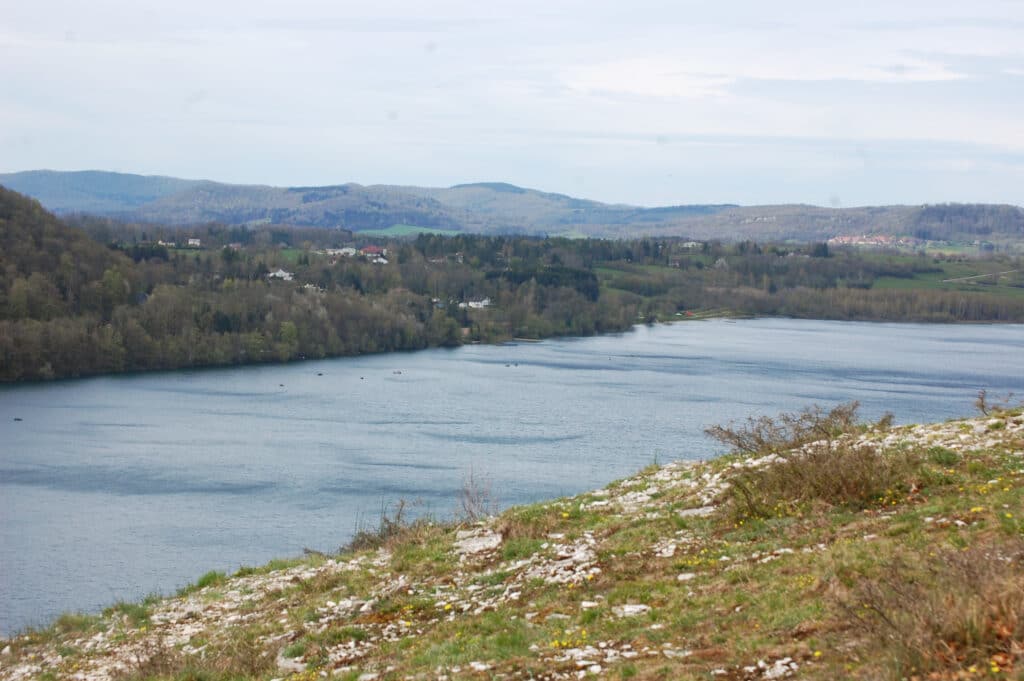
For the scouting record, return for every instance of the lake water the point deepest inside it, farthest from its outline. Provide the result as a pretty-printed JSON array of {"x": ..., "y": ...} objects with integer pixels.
[{"x": 113, "y": 488}]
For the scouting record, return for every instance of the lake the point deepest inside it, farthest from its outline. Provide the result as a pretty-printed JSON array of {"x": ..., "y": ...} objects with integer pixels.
[{"x": 117, "y": 487}]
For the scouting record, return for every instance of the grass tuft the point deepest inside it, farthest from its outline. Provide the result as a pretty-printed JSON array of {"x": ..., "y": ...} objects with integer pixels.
[
  {"x": 392, "y": 527},
  {"x": 136, "y": 614},
  {"x": 211, "y": 578}
]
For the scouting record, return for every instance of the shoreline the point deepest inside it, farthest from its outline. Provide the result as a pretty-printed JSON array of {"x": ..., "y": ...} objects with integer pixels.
[
  {"x": 637, "y": 575},
  {"x": 713, "y": 315}
]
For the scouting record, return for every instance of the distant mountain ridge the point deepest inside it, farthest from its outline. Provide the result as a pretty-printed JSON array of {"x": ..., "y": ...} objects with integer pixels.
[
  {"x": 491, "y": 207},
  {"x": 93, "y": 190}
]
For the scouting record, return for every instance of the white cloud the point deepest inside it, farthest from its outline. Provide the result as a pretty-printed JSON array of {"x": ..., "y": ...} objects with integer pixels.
[
  {"x": 648, "y": 77},
  {"x": 665, "y": 77}
]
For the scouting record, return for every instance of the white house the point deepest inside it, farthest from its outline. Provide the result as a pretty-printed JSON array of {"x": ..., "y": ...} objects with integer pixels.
[
  {"x": 476, "y": 304},
  {"x": 281, "y": 274},
  {"x": 194, "y": 243},
  {"x": 346, "y": 252}
]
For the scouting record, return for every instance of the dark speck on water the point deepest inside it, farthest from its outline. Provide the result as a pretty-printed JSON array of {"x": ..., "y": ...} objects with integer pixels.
[{"x": 217, "y": 472}]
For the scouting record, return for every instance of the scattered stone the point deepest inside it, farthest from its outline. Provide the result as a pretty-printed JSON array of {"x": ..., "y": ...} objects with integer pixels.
[
  {"x": 287, "y": 665},
  {"x": 473, "y": 542},
  {"x": 779, "y": 669},
  {"x": 631, "y": 609},
  {"x": 676, "y": 654},
  {"x": 696, "y": 512}
]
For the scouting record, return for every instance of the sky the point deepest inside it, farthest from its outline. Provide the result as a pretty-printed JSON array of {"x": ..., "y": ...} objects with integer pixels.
[{"x": 641, "y": 102}]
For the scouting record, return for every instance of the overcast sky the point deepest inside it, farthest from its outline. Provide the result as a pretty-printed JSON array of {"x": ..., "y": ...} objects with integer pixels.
[{"x": 643, "y": 102}]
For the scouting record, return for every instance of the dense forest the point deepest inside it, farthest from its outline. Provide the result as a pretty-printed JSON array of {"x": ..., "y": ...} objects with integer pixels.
[{"x": 98, "y": 296}]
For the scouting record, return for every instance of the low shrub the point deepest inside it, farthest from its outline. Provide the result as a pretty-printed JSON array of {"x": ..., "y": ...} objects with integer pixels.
[
  {"x": 813, "y": 462},
  {"x": 846, "y": 474},
  {"x": 765, "y": 435},
  {"x": 476, "y": 498}
]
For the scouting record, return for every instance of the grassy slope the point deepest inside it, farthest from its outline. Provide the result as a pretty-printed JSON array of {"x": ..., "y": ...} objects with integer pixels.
[
  {"x": 803, "y": 588},
  {"x": 1011, "y": 284}
]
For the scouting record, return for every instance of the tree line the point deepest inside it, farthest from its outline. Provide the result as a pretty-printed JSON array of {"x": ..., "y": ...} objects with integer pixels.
[{"x": 95, "y": 296}]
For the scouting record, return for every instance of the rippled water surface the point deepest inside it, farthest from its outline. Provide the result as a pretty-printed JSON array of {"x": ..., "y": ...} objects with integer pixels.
[{"x": 112, "y": 488}]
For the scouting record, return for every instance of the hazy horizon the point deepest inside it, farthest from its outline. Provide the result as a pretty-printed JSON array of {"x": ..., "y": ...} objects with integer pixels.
[
  {"x": 491, "y": 181},
  {"x": 647, "y": 105}
]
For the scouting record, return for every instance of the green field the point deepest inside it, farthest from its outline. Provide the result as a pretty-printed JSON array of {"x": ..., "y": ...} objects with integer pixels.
[
  {"x": 1011, "y": 284},
  {"x": 407, "y": 230},
  {"x": 291, "y": 255},
  {"x": 571, "y": 234}
]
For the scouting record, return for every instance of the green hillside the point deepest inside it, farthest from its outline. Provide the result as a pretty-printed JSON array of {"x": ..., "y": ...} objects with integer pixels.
[{"x": 820, "y": 550}]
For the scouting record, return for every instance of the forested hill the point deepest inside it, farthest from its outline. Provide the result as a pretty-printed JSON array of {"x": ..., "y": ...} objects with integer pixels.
[
  {"x": 494, "y": 208},
  {"x": 48, "y": 269},
  {"x": 141, "y": 300},
  {"x": 70, "y": 306}
]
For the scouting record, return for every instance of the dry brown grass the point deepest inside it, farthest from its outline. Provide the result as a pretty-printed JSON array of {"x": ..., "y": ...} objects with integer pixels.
[
  {"x": 241, "y": 655},
  {"x": 945, "y": 614},
  {"x": 158, "y": 660},
  {"x": 392, "y": 525}
]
